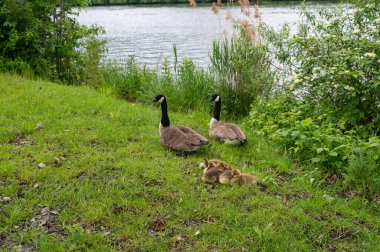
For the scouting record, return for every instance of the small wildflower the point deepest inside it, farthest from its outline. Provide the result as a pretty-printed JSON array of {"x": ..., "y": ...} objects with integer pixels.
[{"x": 370, "y": 55}]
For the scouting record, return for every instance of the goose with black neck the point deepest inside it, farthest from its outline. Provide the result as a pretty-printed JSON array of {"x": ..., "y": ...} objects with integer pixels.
[
  {"x": 229, "y": 133},
  {"x": 180, "y": 138}
]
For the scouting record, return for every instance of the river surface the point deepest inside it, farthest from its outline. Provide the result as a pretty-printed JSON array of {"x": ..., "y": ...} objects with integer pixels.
[{"x": 149, "y": 32}]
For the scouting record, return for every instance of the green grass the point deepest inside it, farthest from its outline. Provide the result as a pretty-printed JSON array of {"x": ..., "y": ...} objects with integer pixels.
[{"x": 119, "y": 189}]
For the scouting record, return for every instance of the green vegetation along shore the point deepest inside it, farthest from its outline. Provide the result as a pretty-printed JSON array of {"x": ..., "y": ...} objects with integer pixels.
[
  {"x": 118, "y": 189},
  {"x": 121, "y": 2}
]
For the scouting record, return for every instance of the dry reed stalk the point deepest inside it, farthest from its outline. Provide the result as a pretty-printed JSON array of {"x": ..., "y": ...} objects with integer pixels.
[
  {"x": 193, "y": 3},
  {"x": 244, "y": 7},
  {"x": 234, "y": 36},
  {"x": 257, "y": 14},
  {"x": 215, "y": 8}
]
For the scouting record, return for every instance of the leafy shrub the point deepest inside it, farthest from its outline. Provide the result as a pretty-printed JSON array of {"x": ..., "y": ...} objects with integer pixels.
[
  {"x": 327, "y": 112},
  {"x": 308, "y": 136},
  {"x": 46, "y": 37},
  {"x": 334, "y": 59}
]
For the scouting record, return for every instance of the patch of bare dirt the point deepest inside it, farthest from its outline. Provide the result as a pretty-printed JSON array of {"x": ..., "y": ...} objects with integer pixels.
[
  {"x": 154, "y": 182},
  {"x": 198, "y": 221},
  {"x": 19, "y": 141},
  {"x": 156, "y": 226}
]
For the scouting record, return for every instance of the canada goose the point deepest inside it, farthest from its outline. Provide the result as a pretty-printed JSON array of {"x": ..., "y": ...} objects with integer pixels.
[
  {"x": 179, "y": 138},
  {"x": 240, "y": 178},
  {"x": 229, "y": 133}
]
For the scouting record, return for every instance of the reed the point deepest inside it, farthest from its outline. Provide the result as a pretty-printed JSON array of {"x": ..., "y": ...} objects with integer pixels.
[{"x": 240, "y": 65}]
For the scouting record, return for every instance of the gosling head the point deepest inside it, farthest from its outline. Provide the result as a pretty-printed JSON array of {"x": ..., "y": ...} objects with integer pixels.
[
  {"x": 159, "y": 98},
  {"x": 214, "y": 98},
  {"x": 236, "y": 173}
]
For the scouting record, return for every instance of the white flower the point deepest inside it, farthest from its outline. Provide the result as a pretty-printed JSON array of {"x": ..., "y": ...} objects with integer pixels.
[
  {"x": 297, "y": 81},
  {"x": 370, "y": 55},
  {"x": 357, "y": 31},
  {"x": 327, "y": 35}
]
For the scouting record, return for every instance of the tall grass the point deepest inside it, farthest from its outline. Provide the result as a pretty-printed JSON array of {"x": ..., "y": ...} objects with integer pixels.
[
  {"x": 241, "y": 65},
  {"x": 185, "y": 85},
  {"x": 239, "y": 72}
]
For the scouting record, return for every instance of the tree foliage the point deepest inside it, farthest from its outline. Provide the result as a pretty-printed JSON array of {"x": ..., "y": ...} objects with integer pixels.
[{"x": 44, "y": 35}]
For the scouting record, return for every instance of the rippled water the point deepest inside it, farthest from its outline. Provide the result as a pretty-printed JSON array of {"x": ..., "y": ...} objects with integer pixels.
[{"x": 149, "y": 32}]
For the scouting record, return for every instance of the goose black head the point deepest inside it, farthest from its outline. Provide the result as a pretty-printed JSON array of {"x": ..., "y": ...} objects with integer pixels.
[
  {"x": 215, "y": 98},
  {"x": 159, "y": 98}
]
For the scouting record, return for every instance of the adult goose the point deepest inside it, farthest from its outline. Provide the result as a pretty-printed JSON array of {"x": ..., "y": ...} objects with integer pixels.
[
  {"x": 229, "y": 133},
  {"x": 180, "y": 138}
]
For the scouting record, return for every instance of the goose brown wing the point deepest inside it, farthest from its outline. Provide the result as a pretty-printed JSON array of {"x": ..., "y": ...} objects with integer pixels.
[
  {"x": 238, "y": 132},
  {"x": 228, "y": 131},
  {"x": 177, "y": 139},
  {"x": 192, "y": 136}
]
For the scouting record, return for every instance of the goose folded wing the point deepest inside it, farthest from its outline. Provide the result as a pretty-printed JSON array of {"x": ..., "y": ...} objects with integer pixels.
[
  {"x": 193, "y": 137},
  {"x": 238, "y": 132},
  {"x": 224, "y": 132}
]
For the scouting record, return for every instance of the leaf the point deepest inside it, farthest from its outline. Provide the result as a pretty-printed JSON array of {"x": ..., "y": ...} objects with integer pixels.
[
  {"x": 319, "y": 150},
  {"x": 307, "y": 122},
  {"x": 295, "y": 133},
  {"x": 315, "y": 160},
  {"x": 333, "y": 153}
]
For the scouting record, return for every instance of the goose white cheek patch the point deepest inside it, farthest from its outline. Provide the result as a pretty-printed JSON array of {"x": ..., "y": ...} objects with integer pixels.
[
  {"x": 161, "y": 100},
  {"x": 217, "y": 98}
]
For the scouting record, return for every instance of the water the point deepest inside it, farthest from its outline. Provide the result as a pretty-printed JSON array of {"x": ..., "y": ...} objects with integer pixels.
[{"x": 149, "y": 32}]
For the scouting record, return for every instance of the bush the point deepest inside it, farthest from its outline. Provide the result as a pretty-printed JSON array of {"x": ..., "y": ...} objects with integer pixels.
[
  {"x": 46, "y": 37},
  {"x": 334, "y": 59},
  {"x": 327, "y": 112}
]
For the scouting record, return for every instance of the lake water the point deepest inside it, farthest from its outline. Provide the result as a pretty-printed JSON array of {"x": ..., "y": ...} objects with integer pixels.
[{"x": 149, "y": 32}]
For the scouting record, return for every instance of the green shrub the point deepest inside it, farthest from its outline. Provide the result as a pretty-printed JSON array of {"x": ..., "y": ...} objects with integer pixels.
[
  {"x": 327, "y": 112},
  {"x": 46, "y": 36},
  {"x": 334, "y": 61}
]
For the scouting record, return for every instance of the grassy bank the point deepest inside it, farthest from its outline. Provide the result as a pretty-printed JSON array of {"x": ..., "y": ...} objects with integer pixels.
[{"x": 119, "y": 189}]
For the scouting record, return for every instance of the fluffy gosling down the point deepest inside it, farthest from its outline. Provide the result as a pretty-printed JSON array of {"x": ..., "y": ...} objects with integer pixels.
[
  {"x": 180, "y": 138},
  {"x": 240, "y": 178},
  {"x": 229, "y": 133},
  {"x": 216, "y": 171}
]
